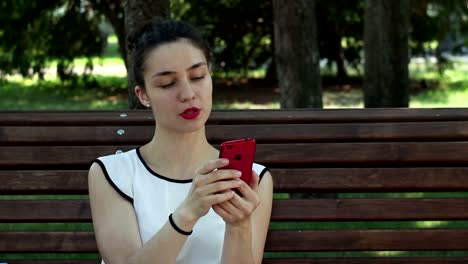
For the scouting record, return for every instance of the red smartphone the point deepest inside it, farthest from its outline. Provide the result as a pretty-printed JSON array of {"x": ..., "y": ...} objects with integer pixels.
[{"x": 241, "y": 155}]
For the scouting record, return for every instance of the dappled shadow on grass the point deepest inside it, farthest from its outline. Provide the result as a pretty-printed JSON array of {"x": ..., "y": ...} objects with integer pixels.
[
  {"x": 261, "y": 94},
  {"x": 106, "y": 93},
  {"x": 245, "y": 94},
  {"x": 344, "y": 99},
  {"x": 442, "y": 94},
  {"x": 110, "y": 92}
]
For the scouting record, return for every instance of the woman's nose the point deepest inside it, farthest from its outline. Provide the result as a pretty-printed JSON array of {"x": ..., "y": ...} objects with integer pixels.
[{"x": 186, "y": 92}]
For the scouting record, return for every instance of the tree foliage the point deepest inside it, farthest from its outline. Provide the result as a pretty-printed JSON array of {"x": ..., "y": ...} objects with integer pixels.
[
  {"x": 444, "y": 22},
  {"x": 239, "y": 32},
  {"x": 35, "y": 32}
]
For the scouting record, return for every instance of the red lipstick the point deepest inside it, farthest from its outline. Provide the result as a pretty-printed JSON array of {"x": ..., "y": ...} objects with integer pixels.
[{"x": 190, "y": 113}]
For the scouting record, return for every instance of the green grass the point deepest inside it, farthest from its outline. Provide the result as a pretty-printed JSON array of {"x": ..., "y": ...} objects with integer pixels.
[
  {"x": 97, "y": 61},
  {"x": 452, "y": 94},
  {"x": 224, "y": 104},
  {"x": 366, "y": 254},
  {"x": 368, "y": 225},
  {"x": 45, "y": 95},
  {"x": 109, "y": 93}
]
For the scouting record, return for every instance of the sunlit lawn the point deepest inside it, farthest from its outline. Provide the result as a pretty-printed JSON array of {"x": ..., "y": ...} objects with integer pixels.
[
  {"x": 109, "y": 92},
  {"x": 450, "y": 90},
  {"x": 28, "y": 95}
]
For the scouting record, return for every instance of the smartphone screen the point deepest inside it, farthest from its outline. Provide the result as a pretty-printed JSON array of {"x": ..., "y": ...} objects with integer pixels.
[{"x": 241, "y": 155}]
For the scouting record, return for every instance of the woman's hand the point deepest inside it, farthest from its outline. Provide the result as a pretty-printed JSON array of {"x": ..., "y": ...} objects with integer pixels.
[
  {"x": 237, "y": 210},
  {"x": 209, "y": 187}
]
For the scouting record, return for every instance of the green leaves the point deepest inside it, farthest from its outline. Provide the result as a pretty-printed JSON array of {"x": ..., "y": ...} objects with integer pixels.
[{"x": 34, "y": 33}]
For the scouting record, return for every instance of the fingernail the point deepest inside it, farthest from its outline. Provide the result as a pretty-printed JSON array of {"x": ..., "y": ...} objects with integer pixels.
[{"x": 238, "y": 173}]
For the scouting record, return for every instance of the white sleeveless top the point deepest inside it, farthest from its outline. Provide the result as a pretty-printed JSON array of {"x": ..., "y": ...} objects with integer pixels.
[{"x": 154, "y": 197}]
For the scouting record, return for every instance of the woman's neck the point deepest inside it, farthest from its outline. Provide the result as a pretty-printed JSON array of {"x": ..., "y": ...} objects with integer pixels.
[{"x": 178, "y": 155}]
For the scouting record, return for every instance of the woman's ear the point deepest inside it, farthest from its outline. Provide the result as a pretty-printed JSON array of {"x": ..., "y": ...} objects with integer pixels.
[{"x": 142, "y": 96}]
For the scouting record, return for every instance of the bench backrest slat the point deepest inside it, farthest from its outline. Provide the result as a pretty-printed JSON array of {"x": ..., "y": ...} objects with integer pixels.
[
  {"x": 277, "y": 241},
  {"x": 286, "y": 180},
  {"x": 292, "y": 155},
  {"x": 392, "y": 154},
  {"x": 284, "y": 210},
  {"x": 305, "y": 133},
  {"x": 362, "y": 260},
  {"x": 328, "y": 260},
  {"x": 224, "y": 117}
]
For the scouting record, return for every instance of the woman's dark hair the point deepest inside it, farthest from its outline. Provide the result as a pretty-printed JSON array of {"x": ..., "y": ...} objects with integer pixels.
[{"x": 156, "y": 32}]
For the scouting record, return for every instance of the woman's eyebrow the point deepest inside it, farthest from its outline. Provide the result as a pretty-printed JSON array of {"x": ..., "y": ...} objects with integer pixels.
[
  {"x": 163, "y": 73},
  {"x": 196, "y": 65}
]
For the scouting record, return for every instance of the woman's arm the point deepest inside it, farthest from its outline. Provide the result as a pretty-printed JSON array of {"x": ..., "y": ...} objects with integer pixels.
[
  {"x": 116, "y": 227},
  {"x": 247, "y": 221}
]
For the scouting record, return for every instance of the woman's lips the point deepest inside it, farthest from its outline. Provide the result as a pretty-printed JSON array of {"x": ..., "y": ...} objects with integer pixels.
[{"x": 190, "y": 113}]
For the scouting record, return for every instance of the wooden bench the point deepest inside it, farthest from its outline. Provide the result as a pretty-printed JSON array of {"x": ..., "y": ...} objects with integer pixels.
[{"x": 412, "y": 165}]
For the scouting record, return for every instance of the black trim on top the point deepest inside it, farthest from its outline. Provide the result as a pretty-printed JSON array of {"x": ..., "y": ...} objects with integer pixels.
[
  {"x": 157, "y": 174},
  {"x": 106, "y": 174},
  {"x": 262, "y": 173}
]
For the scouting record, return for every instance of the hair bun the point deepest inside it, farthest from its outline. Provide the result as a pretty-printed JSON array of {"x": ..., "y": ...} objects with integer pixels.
[{"x": 140, "y": 27}]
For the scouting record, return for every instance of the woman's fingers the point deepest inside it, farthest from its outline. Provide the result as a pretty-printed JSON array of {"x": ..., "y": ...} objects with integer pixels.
[
  {"x": 221, "y": 197},
  {"x": 255, "y": 180},
  {"x": 238, "y": 207},
  {"x": 221, "y": 212},
  {"x": 248, "y": 193},
  {"x": 212, "y": 165},
  {"x": 243, "y": 205},
  {"x": 212, "y": 172},
  {"x": 220, "y": 186}
]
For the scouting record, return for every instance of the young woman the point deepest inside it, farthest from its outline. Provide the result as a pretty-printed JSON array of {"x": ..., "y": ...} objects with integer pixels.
[{"x": 166, "y": 201}]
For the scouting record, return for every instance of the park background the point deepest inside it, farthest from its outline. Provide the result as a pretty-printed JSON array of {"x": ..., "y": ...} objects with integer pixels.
[{"x": 70, "y": 55}]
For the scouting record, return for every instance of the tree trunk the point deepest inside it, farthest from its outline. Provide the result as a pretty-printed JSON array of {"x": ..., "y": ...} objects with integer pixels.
[
  {"x": 386, "y": 80},
  {"x": 296, "y": 53},
  {"x": 113, "y": 11},
  {"x": 297, "y": 58},
  {"x": 341, "y": 73},
  {"x": 137, "y": 11},
  {"x": 271, "y": 73}
]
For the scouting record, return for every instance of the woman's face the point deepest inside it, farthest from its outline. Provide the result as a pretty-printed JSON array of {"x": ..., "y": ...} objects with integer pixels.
[{"x": 178, "y": 86}]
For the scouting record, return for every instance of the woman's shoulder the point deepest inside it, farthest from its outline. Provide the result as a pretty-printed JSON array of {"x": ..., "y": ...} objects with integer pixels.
[
  {"x": 260, "y": 169},
  {"x": 117, "y": 169},
  {"x": 118, "y": 157}
]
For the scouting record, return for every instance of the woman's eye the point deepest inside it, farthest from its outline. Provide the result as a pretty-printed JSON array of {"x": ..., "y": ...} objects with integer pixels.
[
  {"x": 198, "y": 78},
  {"x": 167, "y": 85}
]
